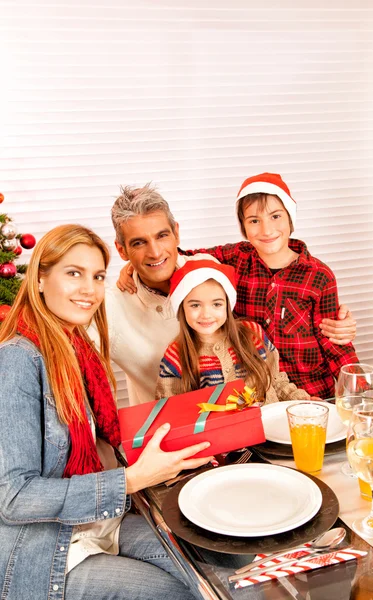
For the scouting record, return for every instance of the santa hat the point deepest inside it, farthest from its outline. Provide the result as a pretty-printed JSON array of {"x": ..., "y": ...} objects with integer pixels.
[
  {"x": 195, "y": 272},
  {"x": 270, "y": 183}
]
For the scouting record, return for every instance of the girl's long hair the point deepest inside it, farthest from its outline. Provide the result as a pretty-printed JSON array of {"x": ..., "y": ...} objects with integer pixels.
[
  {"x": 61, "y": 363},
  {"x": 240, "y": 338}
]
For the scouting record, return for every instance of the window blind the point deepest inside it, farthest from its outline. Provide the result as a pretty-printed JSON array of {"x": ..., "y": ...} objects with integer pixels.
[{"x": 194, "y": 96}]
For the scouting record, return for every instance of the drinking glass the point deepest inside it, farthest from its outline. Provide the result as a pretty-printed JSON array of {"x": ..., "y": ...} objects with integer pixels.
[
  {"x": 361, "y": 413},
  {"x": 307, "y": 424},
  {"x": 345, "y": 406},
  {"x": 360, "y": 456},
  {"x": 355, "y": 378}
]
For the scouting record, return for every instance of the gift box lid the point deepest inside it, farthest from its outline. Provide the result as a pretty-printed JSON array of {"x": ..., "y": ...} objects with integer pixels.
[{"x": 182, "y": 412}]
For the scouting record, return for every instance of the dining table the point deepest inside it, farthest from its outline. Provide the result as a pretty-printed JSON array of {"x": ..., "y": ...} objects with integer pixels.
[{"x": 206, "y": 572}]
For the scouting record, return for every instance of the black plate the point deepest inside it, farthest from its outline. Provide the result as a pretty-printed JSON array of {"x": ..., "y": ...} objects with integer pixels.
[
  {"x": 217, "y": 542},
  {"x": 275, "y": 449}
]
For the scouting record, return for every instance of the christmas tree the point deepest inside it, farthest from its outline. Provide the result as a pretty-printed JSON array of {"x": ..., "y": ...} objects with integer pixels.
[{"x": 11, "y": 244}]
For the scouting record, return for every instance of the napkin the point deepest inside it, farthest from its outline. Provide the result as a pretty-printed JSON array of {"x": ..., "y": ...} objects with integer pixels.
[{"x": 315, "y": 562}]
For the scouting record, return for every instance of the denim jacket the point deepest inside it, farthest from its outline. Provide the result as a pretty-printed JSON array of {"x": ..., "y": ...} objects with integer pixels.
[{"x": 39, "y": 508}]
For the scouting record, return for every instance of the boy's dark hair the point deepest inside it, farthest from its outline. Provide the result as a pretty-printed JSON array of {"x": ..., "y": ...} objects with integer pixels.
[{"x": 262, "y": 200}]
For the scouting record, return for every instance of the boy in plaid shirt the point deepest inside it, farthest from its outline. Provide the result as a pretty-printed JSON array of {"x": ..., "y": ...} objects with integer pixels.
[{"x": 281, "y": 286}]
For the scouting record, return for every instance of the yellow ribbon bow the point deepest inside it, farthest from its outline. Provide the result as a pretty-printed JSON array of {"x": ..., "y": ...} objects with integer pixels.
[{"x": 236, "y": 401}]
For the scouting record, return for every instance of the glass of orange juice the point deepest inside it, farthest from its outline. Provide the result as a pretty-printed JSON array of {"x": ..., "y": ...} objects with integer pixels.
[
  {"x": 365, "y": 489},
  {"x": 307, "y": 424},
  {"x": 362, "y": 413},
  {"x": 360, "y": 456}
]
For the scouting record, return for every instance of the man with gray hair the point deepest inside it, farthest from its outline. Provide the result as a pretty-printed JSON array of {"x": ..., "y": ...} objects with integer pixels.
[{"x": 142, "y": 325}]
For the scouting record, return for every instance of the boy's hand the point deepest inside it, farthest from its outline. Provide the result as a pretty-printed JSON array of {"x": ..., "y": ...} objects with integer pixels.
[
  {"x": 125, "y": 282},
  {"x": 342, "y": 331}
]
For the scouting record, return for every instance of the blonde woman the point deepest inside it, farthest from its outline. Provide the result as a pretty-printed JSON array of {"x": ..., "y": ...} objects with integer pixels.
[{"x": 64, "y": 527}]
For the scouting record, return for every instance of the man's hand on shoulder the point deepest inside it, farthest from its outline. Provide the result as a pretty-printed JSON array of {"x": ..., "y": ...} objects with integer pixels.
[
  {"x": 125, "y": 282},
  {"x": 343, "y": 330}
]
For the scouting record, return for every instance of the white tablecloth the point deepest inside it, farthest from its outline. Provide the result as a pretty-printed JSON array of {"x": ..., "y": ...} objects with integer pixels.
[{"x": 352, "y": 505}]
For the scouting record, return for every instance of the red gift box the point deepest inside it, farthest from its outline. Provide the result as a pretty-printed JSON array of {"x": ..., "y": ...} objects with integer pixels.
[{"x": 225, "y": 431}]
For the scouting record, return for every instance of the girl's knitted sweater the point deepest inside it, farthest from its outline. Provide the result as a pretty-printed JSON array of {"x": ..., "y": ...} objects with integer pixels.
[{"x": 219, "y": 364}]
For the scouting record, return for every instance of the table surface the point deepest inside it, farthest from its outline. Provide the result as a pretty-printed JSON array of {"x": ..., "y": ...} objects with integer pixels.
[{"x": 339, "y": 582}]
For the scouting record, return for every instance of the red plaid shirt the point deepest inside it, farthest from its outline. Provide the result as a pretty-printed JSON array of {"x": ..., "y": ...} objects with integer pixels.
[{"x": 290, "y": 305}]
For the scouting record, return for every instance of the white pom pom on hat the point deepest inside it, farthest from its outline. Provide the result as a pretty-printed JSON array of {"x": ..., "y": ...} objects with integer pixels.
[
  {"x": 270, "y": 183},
  {"x": 195, "y": 272}
]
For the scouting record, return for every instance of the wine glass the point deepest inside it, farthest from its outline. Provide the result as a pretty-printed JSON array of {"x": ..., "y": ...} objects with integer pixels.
[
  {"x": 360, "y": 456},
  {"x": 345, "y": 406},
  {"x": 361, "y": 413},
  {"x": 355, "y": 378}
]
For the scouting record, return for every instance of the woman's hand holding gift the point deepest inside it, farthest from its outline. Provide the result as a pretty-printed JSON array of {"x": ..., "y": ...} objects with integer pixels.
[{"x": 155, "y": 466}]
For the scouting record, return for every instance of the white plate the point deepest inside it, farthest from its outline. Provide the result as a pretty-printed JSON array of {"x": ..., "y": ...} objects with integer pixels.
[
  {"x": 250, "y": 500},
  {"x": 276, "y": 428}
]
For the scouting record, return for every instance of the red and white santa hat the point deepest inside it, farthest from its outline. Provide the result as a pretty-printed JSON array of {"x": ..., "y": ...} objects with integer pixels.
[
  {"x": 195, "y": 272},
  {"x": 270, "y": 183}
]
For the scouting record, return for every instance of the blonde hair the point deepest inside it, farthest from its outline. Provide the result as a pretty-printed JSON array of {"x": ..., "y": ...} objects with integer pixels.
[
  {"x": 61, "y": 362},
  {"x": 240, "y": 339}
]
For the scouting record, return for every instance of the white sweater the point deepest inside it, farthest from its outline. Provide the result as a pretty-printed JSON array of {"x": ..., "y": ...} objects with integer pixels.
[{"x": 141, "y": 326}]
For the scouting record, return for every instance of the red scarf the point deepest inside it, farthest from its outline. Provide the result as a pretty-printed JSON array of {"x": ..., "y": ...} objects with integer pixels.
[{"x": 83, "y": 456}]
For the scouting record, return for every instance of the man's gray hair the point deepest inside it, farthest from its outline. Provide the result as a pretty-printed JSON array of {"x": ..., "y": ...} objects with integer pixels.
[{"x": 138, "y": 201}]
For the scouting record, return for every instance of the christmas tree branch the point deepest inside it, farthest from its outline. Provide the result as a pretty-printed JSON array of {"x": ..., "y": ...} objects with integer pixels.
[
  {"x": 4, "y": 219},
  {"x": 9, "y": 289},
  {"x": 6, "y": 257}
]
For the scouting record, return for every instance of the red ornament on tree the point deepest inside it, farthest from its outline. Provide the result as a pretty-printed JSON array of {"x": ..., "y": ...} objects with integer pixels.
[
  {"x": 4, "y": 309},
  {"x": 11, "y": 243},
  {"x": 27, "y": 241},
  {"x": 8, "y": 270}
]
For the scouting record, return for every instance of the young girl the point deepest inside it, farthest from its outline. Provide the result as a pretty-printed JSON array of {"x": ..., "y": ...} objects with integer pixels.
[
  {"x": 63, "y": 499},
  {"x": 212, "y": 346}
]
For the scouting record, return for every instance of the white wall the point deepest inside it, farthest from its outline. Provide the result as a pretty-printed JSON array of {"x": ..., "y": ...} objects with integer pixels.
[{"x": 195, "y": 96}]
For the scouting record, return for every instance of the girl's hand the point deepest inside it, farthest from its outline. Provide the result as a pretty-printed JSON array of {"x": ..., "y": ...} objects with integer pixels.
[
  {"x": 155, "y": 466},
  {"x": 125, "y": 282},
  {"x": 340, "y": 332}
]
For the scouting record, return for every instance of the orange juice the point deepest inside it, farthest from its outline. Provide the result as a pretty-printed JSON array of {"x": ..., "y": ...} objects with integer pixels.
[
  {"x": 365, "y": 491},
  {"x": 363, "y": 587},
  {"x": 308, "y": 443}
]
